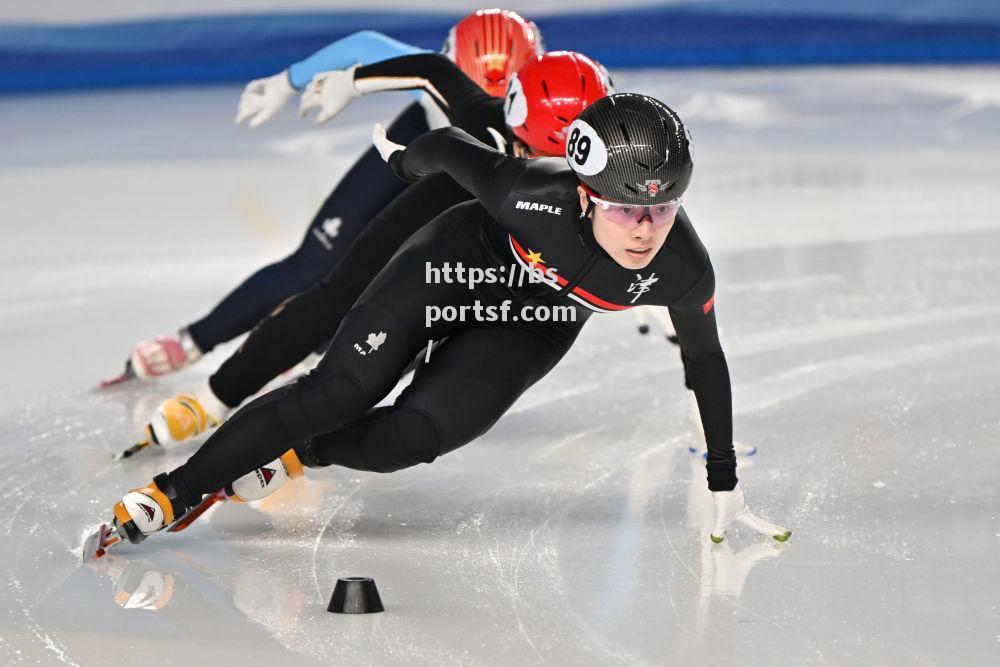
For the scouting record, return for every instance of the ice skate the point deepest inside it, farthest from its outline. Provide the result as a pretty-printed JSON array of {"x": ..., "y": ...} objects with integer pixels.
[
  {"x": 140, "y": 513},
  {"x": 181, "y": 418},
  {"x": 255, "y": 485}
]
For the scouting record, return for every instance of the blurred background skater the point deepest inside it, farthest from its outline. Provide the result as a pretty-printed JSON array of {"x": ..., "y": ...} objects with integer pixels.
[
  {"x": 488, "y": 45},
  {"x": 545, "y": 94}
]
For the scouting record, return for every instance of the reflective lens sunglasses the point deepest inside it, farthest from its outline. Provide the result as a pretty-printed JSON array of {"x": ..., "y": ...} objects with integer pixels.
[{"x": 630, "y": 215}]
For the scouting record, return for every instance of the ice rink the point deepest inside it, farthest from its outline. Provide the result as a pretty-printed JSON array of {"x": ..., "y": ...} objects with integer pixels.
[{"x": 852, "y": 216}]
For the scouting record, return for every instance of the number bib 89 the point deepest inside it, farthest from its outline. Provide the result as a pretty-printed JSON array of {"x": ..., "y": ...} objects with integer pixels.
[{"x": 586, "y": 152}]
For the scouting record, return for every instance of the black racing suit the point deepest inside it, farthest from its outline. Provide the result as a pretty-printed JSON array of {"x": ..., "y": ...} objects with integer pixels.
[
  {"x": 335, "y": 225},
  {"x": 306, "y": 321},
  {"x": 525, "y": 208},
  {"x": 365, "y": 189}
]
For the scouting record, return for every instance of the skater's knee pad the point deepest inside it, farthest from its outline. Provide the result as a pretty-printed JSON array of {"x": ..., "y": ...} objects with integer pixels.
[
  {"x": 384, "y": 440},
  {"x": 308, "y": 457},
  {"x": 460, "y": 409},
  {"x": 317, "y": 404},
  {"x": 401, "y": 438}
]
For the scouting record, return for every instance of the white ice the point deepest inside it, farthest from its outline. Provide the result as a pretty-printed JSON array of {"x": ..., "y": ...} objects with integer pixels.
[{"x": 852, "y": 218}]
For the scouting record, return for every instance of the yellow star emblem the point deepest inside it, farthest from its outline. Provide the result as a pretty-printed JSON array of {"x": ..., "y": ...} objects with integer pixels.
[{"x": 535, "y": 257}]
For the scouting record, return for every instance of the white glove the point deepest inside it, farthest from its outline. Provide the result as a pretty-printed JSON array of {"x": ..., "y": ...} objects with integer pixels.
[
  {"x": 262, "y": 98},
  {"x": 731, "y": 506},
  {"x": 382, "y": 143},
  {"x": 330, "y": 92}
]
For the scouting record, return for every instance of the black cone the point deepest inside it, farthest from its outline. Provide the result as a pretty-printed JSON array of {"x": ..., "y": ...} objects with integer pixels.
[{"x": 355, "y": 595}]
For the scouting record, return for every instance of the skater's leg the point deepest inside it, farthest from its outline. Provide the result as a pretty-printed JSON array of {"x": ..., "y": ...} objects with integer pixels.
[
  {"x": 329, "y": 235},
  {"x": 372, "y": 347},
  {"x": 469, "y": 383},
  {"x": 306, "y": 321},
  {"x": 363, "y": 191}
]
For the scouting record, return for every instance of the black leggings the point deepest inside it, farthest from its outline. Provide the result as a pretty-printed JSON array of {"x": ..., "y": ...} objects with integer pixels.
[
  {"x": 363, "y": 191},
  {"x": 306, "y": 321},
  {"x": 469, "y": 382}
]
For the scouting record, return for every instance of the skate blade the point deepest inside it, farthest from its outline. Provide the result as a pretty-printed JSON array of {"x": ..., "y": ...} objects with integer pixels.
[
  {"x": 125, "y": 376},
  {"x": 207, "y": 503},
  {"x": 131, "y": 451},
  {"x": 98, "y": 542}
]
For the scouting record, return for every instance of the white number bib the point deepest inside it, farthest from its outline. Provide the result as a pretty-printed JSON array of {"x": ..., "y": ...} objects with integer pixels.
[
  {"x": 586, "y": 152},
  {"x": 515, "y": 104}
]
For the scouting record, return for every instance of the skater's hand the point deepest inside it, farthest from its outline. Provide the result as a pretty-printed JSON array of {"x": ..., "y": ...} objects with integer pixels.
[
  {"x": 160, "y": 356},
  {"x": 731, "y": 506},
  {"x": 262, "y": 98},
  {"x": 382, "y": 143},
  {"x": 330, "y": 92}
]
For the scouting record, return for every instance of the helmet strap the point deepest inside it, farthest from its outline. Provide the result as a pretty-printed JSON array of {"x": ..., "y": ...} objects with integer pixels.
[{"x": 584, "y": 215}]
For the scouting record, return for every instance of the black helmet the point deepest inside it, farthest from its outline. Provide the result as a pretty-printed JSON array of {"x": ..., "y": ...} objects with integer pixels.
[{"x": 631, "y": 149}]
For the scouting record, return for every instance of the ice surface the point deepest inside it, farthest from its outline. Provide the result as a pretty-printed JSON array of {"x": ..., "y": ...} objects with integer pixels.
[{"x": 852, "y": 217}]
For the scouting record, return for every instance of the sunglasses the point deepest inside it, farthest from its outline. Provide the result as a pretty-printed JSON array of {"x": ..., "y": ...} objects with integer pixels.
[{"x": 630, "y": 215}]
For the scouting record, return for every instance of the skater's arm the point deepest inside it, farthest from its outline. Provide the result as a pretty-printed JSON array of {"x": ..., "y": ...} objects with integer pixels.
[
  {"x": 365, "y": 47},
  {"x": 433, "y": 73},
  {"x": 263, "y": 98},
  {"x": 466, "y": 104},
  {"x": 707, "y": 374},
  {"x": 485, "y": 172}
]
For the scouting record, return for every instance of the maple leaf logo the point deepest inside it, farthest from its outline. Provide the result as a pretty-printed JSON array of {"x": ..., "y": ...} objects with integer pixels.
[
  {"x": 374, "y": 340},
  {"x": 331, "y": 227}
]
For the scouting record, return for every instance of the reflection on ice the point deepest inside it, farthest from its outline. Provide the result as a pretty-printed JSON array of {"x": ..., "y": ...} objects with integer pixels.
[
  {"x": 141, "y": 585},
  {"x": 137, "y": 584},
  {"x": 723, "y": 572}
]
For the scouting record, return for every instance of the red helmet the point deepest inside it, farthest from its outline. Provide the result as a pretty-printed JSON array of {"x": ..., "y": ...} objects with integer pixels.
[
  {"x": 489, "y": 45},
  {"x": 548, "y": 93}
]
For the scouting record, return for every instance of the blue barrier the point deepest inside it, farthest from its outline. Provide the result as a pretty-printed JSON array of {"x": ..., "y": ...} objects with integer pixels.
[{"x": 237, "y": 48}]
